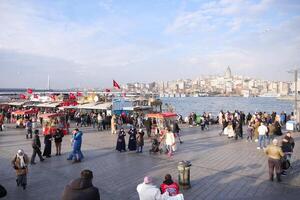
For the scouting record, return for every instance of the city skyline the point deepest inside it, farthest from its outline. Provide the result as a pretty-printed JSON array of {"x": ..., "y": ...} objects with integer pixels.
[{"x": 87, "y": 45}]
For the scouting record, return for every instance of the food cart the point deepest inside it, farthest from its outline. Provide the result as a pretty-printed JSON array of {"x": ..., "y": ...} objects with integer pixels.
[
  {"x": 161, "y": 120},
  {"x": 52, "y": 121},
  {"x": 20, "y": 116}
]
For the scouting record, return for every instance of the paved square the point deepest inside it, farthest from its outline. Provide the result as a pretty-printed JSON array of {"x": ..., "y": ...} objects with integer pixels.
[{"x": 221, "y": 168}]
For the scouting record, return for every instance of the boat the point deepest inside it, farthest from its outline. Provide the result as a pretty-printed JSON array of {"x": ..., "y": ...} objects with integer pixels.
[{"x": 270, "y": 95}]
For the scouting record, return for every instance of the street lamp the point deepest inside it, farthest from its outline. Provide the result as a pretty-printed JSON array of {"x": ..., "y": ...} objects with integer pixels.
[{"x": 295, "y": 71}]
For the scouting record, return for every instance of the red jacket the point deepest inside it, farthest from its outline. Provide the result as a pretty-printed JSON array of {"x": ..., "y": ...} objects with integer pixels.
[{"x": 173, "y": 188}]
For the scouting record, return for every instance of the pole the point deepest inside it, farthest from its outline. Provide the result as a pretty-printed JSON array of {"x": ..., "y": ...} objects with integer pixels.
[{"x": 296, "y": 95}]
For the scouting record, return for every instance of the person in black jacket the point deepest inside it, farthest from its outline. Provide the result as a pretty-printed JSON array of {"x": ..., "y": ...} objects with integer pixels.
[
  {"x": 288, "y": 145},
  {"x": 81, "y": 188},
  {"x": 48, "y": 144},
  {"x": 36, "y": 146},
  {"x": 176, "y": 130},
  {"x": 58, "y": 140}
]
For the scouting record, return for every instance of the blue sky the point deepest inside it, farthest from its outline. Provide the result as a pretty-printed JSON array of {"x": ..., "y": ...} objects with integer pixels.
[{"x": 89, "y": 43}]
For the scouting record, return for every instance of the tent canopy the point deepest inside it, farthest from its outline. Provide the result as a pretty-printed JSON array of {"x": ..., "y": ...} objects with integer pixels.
[
  {"x": 95, "y": 106},
  {"x": 24, "y": 112},
  {"x": 48, "y": 105},
  {"x": 162, "y": 115},
  {"x": 51, "y": 115}
]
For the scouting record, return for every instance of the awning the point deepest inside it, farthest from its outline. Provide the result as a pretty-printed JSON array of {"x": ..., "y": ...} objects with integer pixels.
[
  {"x": 162, "y": 115},
  {"x": 137, "y": 108},
  {"x": 67, "y": 107},
  {"x": 16, "y": 103},
  {"x": 95, "y": 106},
  {"x": 51, "y": 115},
  {"x": 48, "y": 105},
  {"x": 24, "y": 112}
]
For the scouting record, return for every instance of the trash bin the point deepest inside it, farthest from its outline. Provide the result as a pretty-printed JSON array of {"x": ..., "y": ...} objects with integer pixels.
[
  {"x": 184, "y": 174},
  {"x": 291, "y": 125}
]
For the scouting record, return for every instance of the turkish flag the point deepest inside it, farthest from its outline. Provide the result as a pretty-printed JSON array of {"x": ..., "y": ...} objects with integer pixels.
[
  {"x": 23, "y": 96},
  {"x": 29, "y": 91},
  {"x": 72, "y": 96},
  {"x": 79, "y": 94},
  {"x": 35, "y": 96},
  {"x": 116, "y": 85}
]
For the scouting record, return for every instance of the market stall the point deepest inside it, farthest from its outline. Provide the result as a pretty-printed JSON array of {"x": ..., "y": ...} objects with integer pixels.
[
  {"x": 21, "y": 116},
  {"x": 161, "y": 120},
  {"x": 52, "y": 121}
]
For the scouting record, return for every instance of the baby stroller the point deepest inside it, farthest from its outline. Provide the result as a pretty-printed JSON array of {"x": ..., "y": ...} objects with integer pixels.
[{"x": 155, "y": 147}]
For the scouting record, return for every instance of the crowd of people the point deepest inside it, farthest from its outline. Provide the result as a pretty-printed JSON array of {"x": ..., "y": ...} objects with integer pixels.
[{"x": 261, "y": 127}]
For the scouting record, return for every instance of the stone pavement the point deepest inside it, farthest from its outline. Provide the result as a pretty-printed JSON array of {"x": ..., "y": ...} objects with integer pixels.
[{"x": 221, "y": 168}]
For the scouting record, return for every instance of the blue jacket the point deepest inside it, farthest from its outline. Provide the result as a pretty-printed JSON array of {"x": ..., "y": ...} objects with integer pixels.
[{"x": 77, "y": 140}]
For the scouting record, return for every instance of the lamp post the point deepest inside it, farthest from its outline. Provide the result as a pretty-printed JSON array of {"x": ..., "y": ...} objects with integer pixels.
[{"x": 296, "y": 94}]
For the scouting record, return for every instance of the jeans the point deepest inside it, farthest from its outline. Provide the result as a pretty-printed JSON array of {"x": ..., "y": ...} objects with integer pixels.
[
  {"x": 139, "y": 149},
  {"x": 77, "y": 154},
  {"x": 270, "y": 138},
  {"x": 262, "y": 141}
]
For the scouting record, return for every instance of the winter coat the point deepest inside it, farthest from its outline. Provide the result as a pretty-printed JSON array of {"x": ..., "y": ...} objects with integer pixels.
[
  {"x": 170, "y": 138},
  {"x": 148, "y": 192},
  {"x": 80, "y": 189},
  {"x": 288, "y": 144},
  {"x": 77, "y": 139},
  {"x": 170, "y": 186},
  {"x": 36, "y": 142},
  {"x": 140, "y": 138},
  {"x": 16, "y": 163},
  {"x": 58, "y": 136}
]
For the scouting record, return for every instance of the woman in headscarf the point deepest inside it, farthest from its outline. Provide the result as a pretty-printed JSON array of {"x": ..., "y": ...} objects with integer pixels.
[
  {"x": 47, "y": 140},
  {"x": 132, "y": 139},
  {"x": 140, "y": 141},
  {"x": 121, "y": 146},
  {"x": 20, "y": 164}
]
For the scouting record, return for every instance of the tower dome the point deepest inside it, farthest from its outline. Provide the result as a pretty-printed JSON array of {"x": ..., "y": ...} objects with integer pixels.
[{"x": 228, "y": 73}]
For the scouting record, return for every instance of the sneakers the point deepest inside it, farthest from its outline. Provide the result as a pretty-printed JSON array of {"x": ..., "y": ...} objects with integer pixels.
[{"x": 258, "y": 148}]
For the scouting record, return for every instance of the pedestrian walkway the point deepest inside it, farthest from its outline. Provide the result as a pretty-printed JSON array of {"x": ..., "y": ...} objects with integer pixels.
[{"x": 221, "y": 168}]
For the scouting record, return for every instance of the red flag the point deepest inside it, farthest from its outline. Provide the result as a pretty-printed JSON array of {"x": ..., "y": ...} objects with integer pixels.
[
  {"x": 29, "y": 91},
  {"x": 107, "y": 90},
  {"x": 22, "y": 96},
  {"x": 116, "y": 85},
  {"x": 79, "y": 94},
  {"x": 35, "y": 96},
  {"x": 72, "y": 96}
]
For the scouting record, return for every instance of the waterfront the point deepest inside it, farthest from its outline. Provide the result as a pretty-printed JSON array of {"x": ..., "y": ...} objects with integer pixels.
[
  {"x": 184, "y": 106},
  {"x": 221, "y": 168}
]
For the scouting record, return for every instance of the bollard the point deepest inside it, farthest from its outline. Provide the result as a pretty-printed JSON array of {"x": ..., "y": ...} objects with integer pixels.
[{"x": 184, "y": 174}]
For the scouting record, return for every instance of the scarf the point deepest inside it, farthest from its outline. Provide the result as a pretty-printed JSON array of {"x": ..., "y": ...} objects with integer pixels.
[{"x": 22, "y": 161}]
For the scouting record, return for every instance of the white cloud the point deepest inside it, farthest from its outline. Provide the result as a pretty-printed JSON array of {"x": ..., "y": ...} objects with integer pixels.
[{"x": 211, "y": 15}]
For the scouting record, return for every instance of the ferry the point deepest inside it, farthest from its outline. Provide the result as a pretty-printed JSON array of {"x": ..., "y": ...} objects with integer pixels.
[{"x": 270, "y": 95}]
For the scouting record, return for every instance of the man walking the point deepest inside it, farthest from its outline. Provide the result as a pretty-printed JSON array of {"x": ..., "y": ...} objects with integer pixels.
[
  {"x": 176, "y": 130},
  {"x": 274, "y": 153},
  {"x": 36, "y": 146},
  {"x": 262, "y": 132},
  {"x": 76, "y": 144}
]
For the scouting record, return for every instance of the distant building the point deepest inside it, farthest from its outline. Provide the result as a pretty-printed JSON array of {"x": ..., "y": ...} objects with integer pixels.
[{"x": 228, "y": 73}]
